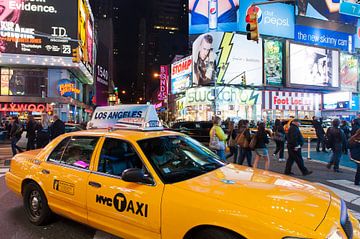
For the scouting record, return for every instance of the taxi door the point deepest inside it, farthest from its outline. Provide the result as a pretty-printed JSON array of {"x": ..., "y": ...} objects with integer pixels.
[
  {"x": 129, "y": 210},
  {"x": 65, "y": 175}
]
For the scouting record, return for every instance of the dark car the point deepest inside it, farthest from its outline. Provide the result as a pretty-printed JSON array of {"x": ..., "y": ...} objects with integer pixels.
[
  {"x": 198, "y": 130},
  {"x": 70, "y": 127}
]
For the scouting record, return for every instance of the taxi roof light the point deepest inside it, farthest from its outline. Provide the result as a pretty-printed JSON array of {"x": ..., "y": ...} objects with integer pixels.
[{"x": 136, "y": 117}]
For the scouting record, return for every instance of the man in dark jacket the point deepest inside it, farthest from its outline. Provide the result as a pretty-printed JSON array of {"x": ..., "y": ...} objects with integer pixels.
[
  {"x": 295, "y": 142},
  {"x": 336, "y": 140},
  {"x": 320, "y": 134},
  {"x": 355, "y": 125},
  {"x": 30, "y": 132},
  {"x": 57, "y": 128}
]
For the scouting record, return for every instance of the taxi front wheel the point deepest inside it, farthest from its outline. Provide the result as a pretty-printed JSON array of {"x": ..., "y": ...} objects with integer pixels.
[
  {"x": 35, "y": 204},
  {"x": 214, "y": 233}
]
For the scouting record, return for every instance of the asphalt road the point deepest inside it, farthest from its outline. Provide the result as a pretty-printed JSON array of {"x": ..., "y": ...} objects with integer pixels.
[{"x": 15, "y": 225}]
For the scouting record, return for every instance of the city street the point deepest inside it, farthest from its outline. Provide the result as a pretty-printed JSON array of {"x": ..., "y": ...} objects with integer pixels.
[{"x": 15, "y": 224}]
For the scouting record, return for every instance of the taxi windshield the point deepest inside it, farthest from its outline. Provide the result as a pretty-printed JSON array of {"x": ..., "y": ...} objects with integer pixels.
[{"x": 178, "y": 158}]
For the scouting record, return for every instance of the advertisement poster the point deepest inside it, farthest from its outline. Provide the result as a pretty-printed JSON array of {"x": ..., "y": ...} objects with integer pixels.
[
  {"x": 273, "y": 57},
  {"x": 181, "y": 73},
  {"x": 228, "y": 58},
  {"x": 327, "y": 10},
  {"x": 314, "y": 66},
  {"x": 348, "y": 72},
  {"x": 338, "y": 100},
  {"x": 20, "y": 20},
  {"x": 275, "y": 19},
  {"x": 213, "y": 15}
]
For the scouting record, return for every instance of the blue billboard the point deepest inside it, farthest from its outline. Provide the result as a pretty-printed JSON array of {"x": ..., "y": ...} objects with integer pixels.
[
  {"x": 324, "y": 38},
  {"x": 274, "y": 19}
]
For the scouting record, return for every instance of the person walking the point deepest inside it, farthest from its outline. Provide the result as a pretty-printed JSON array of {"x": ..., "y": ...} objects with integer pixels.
[
  {"x": 354, "y": 145},
  {"x": 320, "y": 134},
  {"x": 355, "y": 125},
  {"x": 335, "y": 140},
  {"x": 43, "y": 132},
  {"x": 30, "y": 132},
  {"x": 243, "y": 139},
  {"x": 231, "y": 141},
  {"x": 279, "y": 138},
  {"x": 295, "y": 142},
  {"x": 218, "y": 138},
  {"x": 261, "y": 150},
  {"x": 57, "y": 127},
  {"x": 345, "y": 127},
  {"x": 15, "y": 135}
]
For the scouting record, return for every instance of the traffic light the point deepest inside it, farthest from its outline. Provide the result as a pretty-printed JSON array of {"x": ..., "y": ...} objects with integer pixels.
[
  {"x": 75, "y": 55},
  {"x": 252, "y": 26},
  {"x": 243, "y": 79}
]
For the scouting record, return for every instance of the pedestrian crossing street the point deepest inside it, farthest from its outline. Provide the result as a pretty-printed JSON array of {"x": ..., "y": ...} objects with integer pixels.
[{"x": 347, "y": 191}]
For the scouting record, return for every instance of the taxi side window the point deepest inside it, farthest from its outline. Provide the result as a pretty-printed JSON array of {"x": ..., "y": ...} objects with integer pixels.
[
  {"x": 79, "y": 151},
  {"x": 116, "y": 156},
  {"x": 58, "y": 152}
]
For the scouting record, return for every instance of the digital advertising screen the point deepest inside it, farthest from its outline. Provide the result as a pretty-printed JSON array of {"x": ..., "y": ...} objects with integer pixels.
[
  {"x": 337, "y": 100},
  {"x": 313, "y": 66},
  {"x": 181, "y": 74},
  {"x": 227, "y": 58},
  {"x": 273, "y": 62},
  {"x": 21, "y": 19},
  {"x": 327, "y": 10},
  {"x": 209, "y": 15},
  {"x": 349, "y": 72}
]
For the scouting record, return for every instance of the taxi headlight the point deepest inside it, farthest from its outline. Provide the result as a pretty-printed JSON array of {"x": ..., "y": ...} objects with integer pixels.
[{"x": 336, "y": 234}]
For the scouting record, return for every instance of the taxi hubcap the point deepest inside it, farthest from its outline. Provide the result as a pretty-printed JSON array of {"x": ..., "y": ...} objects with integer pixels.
[{"x": 35, "y": 203}]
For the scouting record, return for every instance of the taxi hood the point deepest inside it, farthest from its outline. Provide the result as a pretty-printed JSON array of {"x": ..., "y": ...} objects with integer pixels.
[{"x": 279, "y": 196}]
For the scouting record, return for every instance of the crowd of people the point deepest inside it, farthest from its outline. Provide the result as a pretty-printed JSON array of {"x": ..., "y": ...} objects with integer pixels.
[
  {"x": 242, "y": 143},
  {"x": 38, "y": 134}
]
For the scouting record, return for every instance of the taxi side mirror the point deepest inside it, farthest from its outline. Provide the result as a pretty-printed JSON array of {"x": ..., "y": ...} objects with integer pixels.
[{"x": 136, "y": 175}]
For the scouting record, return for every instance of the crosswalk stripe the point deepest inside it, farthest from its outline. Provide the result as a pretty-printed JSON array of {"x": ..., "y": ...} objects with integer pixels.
[
  {"x": 348, "y": 197},
  {"x": 345, "y": 183}
]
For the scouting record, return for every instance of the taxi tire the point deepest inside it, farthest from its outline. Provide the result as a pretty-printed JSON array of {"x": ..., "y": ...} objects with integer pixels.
[
  {"x": 45, "y": 213},
  {"x": 214, "y": 233}
]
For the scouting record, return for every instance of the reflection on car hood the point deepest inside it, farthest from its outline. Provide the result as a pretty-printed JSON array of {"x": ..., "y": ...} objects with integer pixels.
[{"x": 283, "y": 197}]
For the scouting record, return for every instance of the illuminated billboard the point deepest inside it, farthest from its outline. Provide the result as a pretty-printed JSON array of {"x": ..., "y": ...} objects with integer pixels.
[
  {"x": 23, "y": 22},
  {"x": 348, "y": 72},
  {"x": 181, "y": 73},
  {"x": 86, "y": 34},
  {"x": 273, "y": 65},
  {"x": 313, "y": 66},
  {"x": 227, "y": 58}
]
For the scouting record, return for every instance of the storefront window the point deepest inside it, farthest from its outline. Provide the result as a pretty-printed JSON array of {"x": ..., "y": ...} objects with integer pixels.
[{"x": 24, "y": 82}]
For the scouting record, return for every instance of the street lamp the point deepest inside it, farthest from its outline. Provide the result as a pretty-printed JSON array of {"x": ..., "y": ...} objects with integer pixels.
[
  {"x": 156, "y": 75},
  {"x": 123, "y": 92}
]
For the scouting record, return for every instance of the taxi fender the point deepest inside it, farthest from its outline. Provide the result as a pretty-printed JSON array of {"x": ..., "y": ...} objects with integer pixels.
[{"x": 30, "y": 178}]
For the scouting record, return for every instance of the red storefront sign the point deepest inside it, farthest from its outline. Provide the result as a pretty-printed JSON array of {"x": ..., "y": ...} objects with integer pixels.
[
  {"x": 20, "y": 107},
  {"x": 164, "y": 82}
]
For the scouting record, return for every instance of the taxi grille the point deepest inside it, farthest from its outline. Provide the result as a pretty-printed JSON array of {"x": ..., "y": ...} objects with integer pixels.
[{"x": 348, "y": 228}]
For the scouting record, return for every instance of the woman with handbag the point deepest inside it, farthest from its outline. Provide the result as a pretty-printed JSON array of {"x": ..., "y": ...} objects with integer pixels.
[
  {"x": 354, "y": 145},
  {"x": 218, "y": 138},
  {"x": 279, "y": 138},
  {"x": 260, "y": 148},
  {"x": 243, "y": 139},
  {"x": 231, "y": 141}
]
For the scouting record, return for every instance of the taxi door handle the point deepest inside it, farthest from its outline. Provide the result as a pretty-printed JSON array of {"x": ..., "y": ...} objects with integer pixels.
[
  {"x": 95, "y": 184},
  {"x": 44, "y": 171}
]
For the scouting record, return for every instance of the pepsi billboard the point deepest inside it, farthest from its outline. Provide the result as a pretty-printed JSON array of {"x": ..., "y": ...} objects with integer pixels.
[
  {"x": 213, "y": 15},
  {"x": 275, "y": 19}
]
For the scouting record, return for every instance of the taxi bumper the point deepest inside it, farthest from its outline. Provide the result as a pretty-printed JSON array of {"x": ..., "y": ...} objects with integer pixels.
[{"x": 13, "y": 182}]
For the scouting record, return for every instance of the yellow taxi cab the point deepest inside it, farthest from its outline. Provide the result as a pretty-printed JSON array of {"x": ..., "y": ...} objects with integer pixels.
[
  {"x": 306, "y": 128},
  {"x": 142, "y": 182}
]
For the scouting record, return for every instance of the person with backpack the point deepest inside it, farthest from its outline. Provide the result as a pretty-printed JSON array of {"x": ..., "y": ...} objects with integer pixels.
[
  {"x": 295, "y": 142},
  {"x": 279, "y": 138},
  {"x": 354, "y": 146},
  {"x": 218, "y": 138},
  {"x": 320, "y": 134},
  {"x": 243, "y": 139},
  {"x": 231, "y": 141},
  {"x": 261, "y": 151},
  {"x": 15, "y": 134},
  {"x": 335, "y": 140}
]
